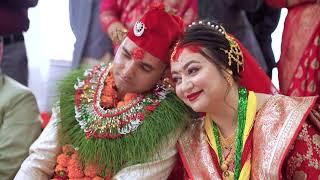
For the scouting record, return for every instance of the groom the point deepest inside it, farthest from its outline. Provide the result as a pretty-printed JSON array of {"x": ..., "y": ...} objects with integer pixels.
[{"x": 116, "y": 121}]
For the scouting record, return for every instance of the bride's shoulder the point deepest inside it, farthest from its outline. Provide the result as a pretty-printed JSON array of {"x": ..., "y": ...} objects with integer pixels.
[{"x": 262, "y": 99}]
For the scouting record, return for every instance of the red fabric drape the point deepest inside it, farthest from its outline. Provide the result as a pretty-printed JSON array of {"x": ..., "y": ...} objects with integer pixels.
[{"x": 253, "y": 77}]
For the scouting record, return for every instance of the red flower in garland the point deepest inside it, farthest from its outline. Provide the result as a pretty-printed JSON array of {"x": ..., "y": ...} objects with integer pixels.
[
  {"x": 137, "y": 54},
  {"x": 150, "y": 108},
  {"x": 140, "y": 116}
]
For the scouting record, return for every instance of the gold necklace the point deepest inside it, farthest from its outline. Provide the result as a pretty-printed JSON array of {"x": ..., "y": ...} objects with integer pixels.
[
  {"x": 228, "y": 149},
  {"x": 227, "y": 142}
]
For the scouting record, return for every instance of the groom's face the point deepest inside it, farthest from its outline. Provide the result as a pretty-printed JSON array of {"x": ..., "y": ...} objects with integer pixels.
[{"x": 136, "y": 75}]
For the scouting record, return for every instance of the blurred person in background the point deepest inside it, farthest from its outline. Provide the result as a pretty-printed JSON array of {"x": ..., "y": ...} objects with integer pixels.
[
  {"x": 298, "y": 66},
  {"x": 14, "y": 21},
  {"x": 264, "y": 21},
  {"x": 92, "y": 45},
  {"x": 119, "y": 15},
  {"x": 20, "y": 124},
  {"x": 232, "y": 14}
]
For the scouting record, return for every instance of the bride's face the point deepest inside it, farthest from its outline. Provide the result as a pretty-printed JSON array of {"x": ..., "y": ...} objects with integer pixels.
[{"x": 198, "y": 82}]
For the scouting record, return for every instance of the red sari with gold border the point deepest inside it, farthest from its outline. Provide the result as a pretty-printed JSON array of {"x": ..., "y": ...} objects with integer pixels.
[
  {"x": 299, "y": 63},
  {"x": 273, "y": 147}
]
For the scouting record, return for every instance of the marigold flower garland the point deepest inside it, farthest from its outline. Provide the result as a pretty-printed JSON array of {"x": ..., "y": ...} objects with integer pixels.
[
  {"x": 69, "y": 167},
  {"x": 99, "y": 110},
  {"x": 102, "y": 114},
  {"x": 109, "y": 97}
]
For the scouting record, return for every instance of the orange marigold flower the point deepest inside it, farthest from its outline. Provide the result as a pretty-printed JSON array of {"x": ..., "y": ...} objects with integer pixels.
[
  {"x": 111, "y": 92},
  {"x": 108, "y": 83},
  {"x": 63, "y": 160},
  {"x": 91, "y": 171},
  {"x": 109, "y": 78},
  {"x": 83, "y": 178},
  {"x": 75, "y": 155},
  {"x": 97, "y": 178},
  {"x": 75, "y": 172},
  {"x": 120, "y": 103},
  {"x": 129, "y": 97},
  {"x": 73, "y": 162},
  {"x": 68, "y": 149},
  {"x": 107, "y": 101},
  {"x": 60, "y": 170}
]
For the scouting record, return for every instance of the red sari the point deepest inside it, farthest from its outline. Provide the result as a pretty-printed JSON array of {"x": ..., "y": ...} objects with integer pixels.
[
  {"x": 284, "y": 143},
  {"x": 299, "y": 72}
]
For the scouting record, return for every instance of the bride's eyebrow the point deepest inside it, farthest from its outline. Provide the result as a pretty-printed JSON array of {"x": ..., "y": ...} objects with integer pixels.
[
  {"x": 186, "y": 65},
  {"x": 189, "y": 63}
]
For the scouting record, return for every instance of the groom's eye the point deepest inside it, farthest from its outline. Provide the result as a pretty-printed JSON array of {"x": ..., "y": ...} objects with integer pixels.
[{"x": 146, "y": 67}]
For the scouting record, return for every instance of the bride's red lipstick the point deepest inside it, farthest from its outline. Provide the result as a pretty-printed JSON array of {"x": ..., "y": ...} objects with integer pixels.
[{"x": 194, "y": 96}]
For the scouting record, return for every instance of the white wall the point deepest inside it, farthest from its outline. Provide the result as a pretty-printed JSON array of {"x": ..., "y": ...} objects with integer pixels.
[
  {"x": 276, "y": 45},
  {"x": 48, "y": 38}
]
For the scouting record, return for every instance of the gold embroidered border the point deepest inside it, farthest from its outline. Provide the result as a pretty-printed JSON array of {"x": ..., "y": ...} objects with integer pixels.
[
  {"x": 195, "y": 148},
  {"x": 276, "y": 124},
  {"x": 287, "y": 132},
  {"x": 297, "y": 34}
]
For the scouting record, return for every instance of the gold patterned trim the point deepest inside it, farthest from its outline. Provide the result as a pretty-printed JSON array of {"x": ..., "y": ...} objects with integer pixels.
[
  {"x": 279, "y": 119},
  {"x": 301, "y": 23},
  {"x": 195, "y": 149}
]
